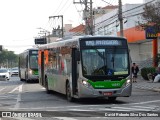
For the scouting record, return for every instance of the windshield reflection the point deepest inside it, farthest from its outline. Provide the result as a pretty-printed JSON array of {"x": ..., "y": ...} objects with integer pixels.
[
  {"x": 105, "y": 62},
  {"x": 34, "y": 61}
]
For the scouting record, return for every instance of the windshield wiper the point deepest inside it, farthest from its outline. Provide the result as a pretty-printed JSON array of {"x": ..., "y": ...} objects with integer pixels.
[{"x": 100, "y": 54}]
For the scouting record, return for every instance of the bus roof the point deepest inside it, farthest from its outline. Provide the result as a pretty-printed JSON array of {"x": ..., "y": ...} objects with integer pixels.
[
  {"x": 29, "y": 50},
  {"x": 72, "y": 41}
]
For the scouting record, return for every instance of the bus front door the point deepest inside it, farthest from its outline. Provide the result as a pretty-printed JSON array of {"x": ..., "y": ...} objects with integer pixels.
[
  {"x": 74, "y": 70},
  {"x": 42, "y": 69}
]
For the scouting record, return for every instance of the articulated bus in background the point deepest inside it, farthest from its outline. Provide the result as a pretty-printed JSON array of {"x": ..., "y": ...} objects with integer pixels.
[
  {"x": 28, "y": 65},
  {"x": 86, "y": 67}
]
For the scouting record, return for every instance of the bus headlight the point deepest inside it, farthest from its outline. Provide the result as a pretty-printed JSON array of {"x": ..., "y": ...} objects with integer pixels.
[
  {"x": 30, "y": 71},
  {"x": 85, "y": 83},
  {"x": 128, "y": 82}
]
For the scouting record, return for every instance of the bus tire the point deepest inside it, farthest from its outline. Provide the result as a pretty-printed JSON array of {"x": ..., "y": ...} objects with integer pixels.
[
  {"x": 112, "y": 98},
  {"x": 20, "y": 78},
  {"x": 46, "y": 86},
  {"x": 27, "y": 81},
  {"x": 68, "y": 93}
]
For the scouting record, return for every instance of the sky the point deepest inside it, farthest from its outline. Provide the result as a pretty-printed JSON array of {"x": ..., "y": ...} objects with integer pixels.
[{"x": 20, "y": 20}]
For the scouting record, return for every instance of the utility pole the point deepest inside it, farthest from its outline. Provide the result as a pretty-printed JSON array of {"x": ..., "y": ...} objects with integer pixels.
[
  {"x": 59, "y": 27},
  {"x": 87, "y": 15},
  {"x": 120, "y": 17},
  {"x": 91, "y": 18}
]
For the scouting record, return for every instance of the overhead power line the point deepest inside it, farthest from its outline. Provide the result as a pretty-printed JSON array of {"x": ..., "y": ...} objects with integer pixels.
[
  {"x": 107, "y": 2},
  {"x": 114, "y": 16}
]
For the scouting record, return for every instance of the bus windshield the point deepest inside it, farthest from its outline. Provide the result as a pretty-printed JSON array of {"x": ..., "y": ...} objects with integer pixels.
[
  {"x": 34, "y": 61},
  {"x": 105, "y": 62}
]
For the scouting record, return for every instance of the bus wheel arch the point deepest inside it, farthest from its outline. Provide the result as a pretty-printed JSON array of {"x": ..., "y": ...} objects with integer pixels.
[{"x": 46, "y": 85}]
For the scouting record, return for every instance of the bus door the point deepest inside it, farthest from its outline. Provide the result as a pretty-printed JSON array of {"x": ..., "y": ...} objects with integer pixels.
[
  {"x": 42, "y": 68},
  {"x": 27, "y": 68},
  {"x": 74, "y": 70}
]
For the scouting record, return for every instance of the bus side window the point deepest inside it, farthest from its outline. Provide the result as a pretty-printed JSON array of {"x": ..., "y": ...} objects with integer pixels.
[{"x": 51, "y": 60}]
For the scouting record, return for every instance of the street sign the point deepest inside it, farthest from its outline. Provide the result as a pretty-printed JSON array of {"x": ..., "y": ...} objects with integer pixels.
[
  {"x": 151, "y": 33},
  {"x": 40, "y": 41}
]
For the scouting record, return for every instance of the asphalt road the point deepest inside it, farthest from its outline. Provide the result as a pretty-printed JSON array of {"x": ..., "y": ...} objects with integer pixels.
[{"x": 29, "y": 101}]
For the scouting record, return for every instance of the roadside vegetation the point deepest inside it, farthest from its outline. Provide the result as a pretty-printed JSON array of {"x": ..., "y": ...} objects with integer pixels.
[{"x": 8, "y": 59}]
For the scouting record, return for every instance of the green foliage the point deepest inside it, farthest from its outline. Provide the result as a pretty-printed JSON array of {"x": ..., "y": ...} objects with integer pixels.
[
  {"x": 151, "y": 16},
  {"x": 145, "y": 71},
  {"x": 8, "y": 57}
]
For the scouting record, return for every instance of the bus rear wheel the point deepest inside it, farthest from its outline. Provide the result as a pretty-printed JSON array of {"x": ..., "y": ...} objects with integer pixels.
[{"x": 68, "y": 93}]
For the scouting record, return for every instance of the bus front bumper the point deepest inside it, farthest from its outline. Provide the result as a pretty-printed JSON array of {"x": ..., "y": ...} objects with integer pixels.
[
  {"x": 33, "y": 77},
  {"x": 86, "y": 92}
]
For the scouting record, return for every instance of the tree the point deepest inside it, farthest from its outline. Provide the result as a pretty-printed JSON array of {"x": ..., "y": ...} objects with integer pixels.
[
  {"x": 8, "y": 59},
  {"x": 151, "y": 16},
  {"x": 151, "y": 23}
]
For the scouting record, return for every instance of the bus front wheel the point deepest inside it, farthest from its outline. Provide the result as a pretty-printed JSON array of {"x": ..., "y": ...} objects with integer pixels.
[{"x": 68, "y": 93}]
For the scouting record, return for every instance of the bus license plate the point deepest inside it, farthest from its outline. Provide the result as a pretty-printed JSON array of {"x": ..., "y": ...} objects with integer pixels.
[{"x": 107, "y": 93}]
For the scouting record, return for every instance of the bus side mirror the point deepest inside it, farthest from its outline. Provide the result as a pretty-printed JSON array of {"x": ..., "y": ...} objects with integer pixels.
[{"x": 77, "y": 55}]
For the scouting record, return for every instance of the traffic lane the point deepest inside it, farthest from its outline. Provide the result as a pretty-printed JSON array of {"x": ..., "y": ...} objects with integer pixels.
[
  {"x": 9, "y": 85},
  {"x": 9, "y": 92},
  {"x": 139, "y": 95},
  {"x": 13, "y": 81},
  {"x": 33, "y": 96},
  {"x": 33, "y": 91}
]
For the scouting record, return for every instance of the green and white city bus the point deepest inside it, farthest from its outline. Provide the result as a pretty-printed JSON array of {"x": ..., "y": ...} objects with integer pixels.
[
  {"x": 28, "y": 65},
  {"x": 86, "y": 67}
]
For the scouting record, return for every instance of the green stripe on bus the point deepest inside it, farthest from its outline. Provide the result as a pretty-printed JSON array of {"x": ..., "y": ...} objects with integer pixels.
[
  {"x": 35, "y": 72},
  {"x": 107, "y": 84}
]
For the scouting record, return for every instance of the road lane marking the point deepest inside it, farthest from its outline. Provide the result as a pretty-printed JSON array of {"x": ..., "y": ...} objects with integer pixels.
[
  {"x": 65, "y": 118},
  {"x": 2, "y": 89},
  {"x": 17, "y": 105},
  {"x": 133, "y": 109},
  {"x": 81, "y": 109},
  {"x": 146, "y": 102},
  {"x": 148, "y": 107},
  {"x": 87, "y": 105},
  {"x": 81, "y": 106},
  {"x": 19, "y": 88}
]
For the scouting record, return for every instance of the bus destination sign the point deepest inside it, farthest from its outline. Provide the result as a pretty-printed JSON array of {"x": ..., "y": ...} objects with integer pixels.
[
  {"x": 34, "y": 52},
  {"x": 103, "y": 43}
]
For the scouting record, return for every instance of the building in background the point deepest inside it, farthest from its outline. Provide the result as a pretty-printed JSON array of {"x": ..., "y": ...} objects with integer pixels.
[
  {"x": 106, "y": 22},
  {"x": 141, "y": 49},
  {"x": 78, "y": 30}
]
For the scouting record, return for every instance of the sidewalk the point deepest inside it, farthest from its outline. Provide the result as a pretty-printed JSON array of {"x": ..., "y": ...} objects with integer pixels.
[{"x": 147, "y": 85}]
